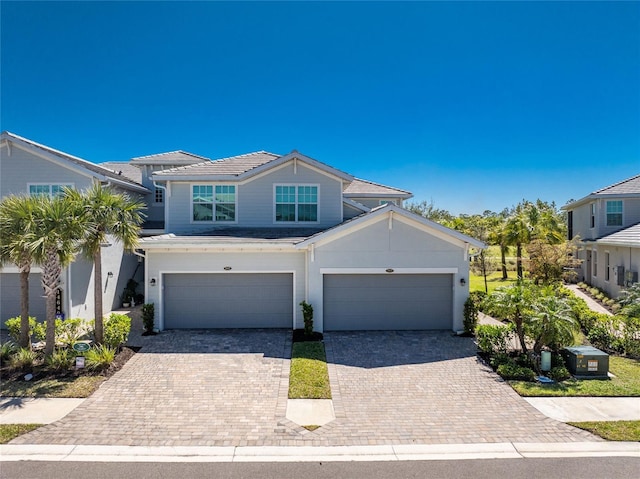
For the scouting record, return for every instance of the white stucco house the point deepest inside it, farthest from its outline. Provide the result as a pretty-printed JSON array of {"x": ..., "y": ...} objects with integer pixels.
[
  {"x": 606, "y": 224},
  {"x": 247, "y": 238}
]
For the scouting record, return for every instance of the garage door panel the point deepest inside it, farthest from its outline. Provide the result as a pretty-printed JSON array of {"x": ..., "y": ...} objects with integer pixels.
[
  {"x": 387, "y": 302},
  {"x": 262, "y": 300}
]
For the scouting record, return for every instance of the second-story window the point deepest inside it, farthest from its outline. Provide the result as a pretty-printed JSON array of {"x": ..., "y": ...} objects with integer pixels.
[
  {"x": 614, "y": 213},
  {"x": 593, "y": 215},
  {"x": 214, "y": 203},
  {"x": 296, "y": 203},
  {"x": 47, "y": 189}
]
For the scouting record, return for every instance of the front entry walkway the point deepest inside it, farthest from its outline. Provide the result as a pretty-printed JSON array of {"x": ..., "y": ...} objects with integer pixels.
[{"x": 229, "y": 388}]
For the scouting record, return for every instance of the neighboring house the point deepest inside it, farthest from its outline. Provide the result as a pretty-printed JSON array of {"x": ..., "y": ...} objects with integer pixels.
[
  {"x": 247, "y": 238},
  {"x": 606, "y": 224},
  {"x": 27, "y": 167}
]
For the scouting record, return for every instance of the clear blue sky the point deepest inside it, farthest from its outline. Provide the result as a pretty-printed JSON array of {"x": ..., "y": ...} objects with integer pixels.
[{"x": 472, "y": 105}]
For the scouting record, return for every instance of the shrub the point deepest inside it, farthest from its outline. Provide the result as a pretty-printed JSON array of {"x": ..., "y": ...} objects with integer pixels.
[
  {"x": 601, "y": 336},
  {"x": 494, "y": 339},
  {"x": 148, "y": 316},
  {"x": 7, "y": 349},
  {"x": 36, "y": 330},
  {"x": 100, "y": 357},
  {"x": 307, "y": 314},
  {"x": 630, "y": 339},
  {"x": 116, "y": 329},
  {"x": 23, "y": 359},
  {"x": 470, "y": 315},
  {"x": 61, "y": 359},
  {"x": 69, "y": 331},
  {"x": 511, "y": 370},
  {"x": 498, "y": 360},
  {"x": 559, "y": 373}
]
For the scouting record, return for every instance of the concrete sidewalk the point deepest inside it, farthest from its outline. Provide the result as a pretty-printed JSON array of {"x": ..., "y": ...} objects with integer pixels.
[
  {"x": 578, "y": 409},
  {"x": 17, "y": 410}
]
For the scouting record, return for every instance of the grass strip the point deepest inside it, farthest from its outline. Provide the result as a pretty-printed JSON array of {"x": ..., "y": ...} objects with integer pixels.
[
  {"x": 77, "y": 387},
  {"x": 11, "y": 431},
  {"x": 626, "y": 383},
  {"x": 612, "y": 430},
  {"x": 309, "y": 376}
]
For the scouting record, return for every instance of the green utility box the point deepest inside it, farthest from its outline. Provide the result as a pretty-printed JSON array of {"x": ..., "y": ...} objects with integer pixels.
[{"x": 586, "y": 362}]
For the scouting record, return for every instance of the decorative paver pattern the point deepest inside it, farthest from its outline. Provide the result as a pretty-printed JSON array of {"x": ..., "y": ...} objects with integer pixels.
[{"x": 229, "y": 388}]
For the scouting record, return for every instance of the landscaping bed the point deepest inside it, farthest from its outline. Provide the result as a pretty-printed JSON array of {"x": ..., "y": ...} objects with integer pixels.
[
  {"x": 309, "y": 376},
  {"x": 59, "y": 383}
]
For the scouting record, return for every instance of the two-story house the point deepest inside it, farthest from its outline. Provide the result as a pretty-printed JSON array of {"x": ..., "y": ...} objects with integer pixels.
[
  {"x": 247, "y": 238},
  {"x": 606, "y": 224},
  {"x": 27, "y": 167}
]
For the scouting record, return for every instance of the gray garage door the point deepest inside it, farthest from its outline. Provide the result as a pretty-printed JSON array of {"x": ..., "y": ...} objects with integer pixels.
[
  {"x": 387, "y": 302},
  {"x": 10, "y": 297},
  {"x": 239, "y": 300}
]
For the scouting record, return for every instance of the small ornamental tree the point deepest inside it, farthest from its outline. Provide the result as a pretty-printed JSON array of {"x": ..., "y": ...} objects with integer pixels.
[{"x": 307, "y": 314}]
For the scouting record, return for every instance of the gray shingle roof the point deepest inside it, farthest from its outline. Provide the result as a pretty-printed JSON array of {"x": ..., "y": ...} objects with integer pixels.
[
  {"x": 629, "y": 236},
  {"x": 87, "y": 165},
  {"x": 236, "y": 235},
  {"x": 233, "y": 166},
  {"x": 178, "y": 157},
  {"x": 124, "y": 168},
  {"x": 630, "y": 185},
  {"x": 359, "y": 188}
]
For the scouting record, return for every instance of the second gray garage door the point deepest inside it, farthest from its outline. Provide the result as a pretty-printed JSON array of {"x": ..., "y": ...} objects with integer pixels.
[
  {"x": 387, "y": 302},
  {"x": 239, "y": 300}
]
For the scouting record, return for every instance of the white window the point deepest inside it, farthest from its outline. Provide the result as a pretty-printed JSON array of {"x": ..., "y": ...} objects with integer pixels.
[
  {"x": 36, "y": 189},
  {"x": 606, "y": 266},
  {"x": 296, "y": 203},
  {"x": 614, "y": 213},
  {"x": 593, "y": 215},
  {"x": 594, "y": 258},
  {"x": 206, "y": 205},
  {"x": 159, "y": 195},
  {"x": 384, "y": 202}
]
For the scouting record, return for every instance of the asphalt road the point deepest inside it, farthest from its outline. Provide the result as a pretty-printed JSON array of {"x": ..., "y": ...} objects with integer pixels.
[{"x": 574, "y": 468}]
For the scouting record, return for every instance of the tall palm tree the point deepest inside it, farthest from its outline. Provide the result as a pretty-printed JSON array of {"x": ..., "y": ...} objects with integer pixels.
[
  {"x": 17, "y": 217},
  {"x": 53, "y": 243},
  {"x": 514, "y": 303},
  {"x": 519, "y": 229},
  {"x": 108, "y": 215}
]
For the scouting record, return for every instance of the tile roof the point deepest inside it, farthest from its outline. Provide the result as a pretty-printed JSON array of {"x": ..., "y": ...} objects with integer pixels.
[
  {"x": 177, "y": 157},
  {"x": 630, "y": 185},
  {"x": 233, "y": 166},
  {"x": 87, "y": 165},
  {"x": 124, "y": 168},
  {"x": 629, "y": 236},
  {"x": 358, "y": 188}
]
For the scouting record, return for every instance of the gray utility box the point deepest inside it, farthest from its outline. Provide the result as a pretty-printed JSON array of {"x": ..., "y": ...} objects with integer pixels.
[{"x": 586, "y": 362}]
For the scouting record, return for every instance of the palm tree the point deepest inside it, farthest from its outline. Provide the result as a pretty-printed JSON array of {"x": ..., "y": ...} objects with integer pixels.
[
  {"x": 513, "y": 303},
  {"x": 518, "y": 230},
  {"x": 108, "y": 215},
  {"x": 552, "y": 322},
  {"x": 53, "y": 243},
  {"x": 16, "y": 217}
]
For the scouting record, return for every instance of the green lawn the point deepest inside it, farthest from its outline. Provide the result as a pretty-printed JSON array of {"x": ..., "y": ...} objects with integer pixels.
[
  {"x": 79, "y": 387},
  {"x": 612, "y": 430},
  {"x": 11, "y": 431},
  {"x": 309, "y": 377},
  {"x": 494, "y": 280},
  {"x": 626, "y": 383}
]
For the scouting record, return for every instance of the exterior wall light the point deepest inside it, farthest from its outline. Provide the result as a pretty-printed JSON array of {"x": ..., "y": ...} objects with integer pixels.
[
  {"x": 110, "y": 274},
  {"x": 463, "y": 281},
  {"x": 152, "y": 282}
]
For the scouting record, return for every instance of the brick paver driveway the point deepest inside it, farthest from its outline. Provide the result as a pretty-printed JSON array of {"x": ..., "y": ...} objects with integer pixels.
[{"x": 188, "y": 388}]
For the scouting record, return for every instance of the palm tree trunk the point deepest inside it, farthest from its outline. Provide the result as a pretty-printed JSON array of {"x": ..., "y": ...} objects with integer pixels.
[
  {"x": 97, "y": 295},
  {"x": 519, "y": 259},
  {"x": 25, "y": 340},
  {"x": 503, "y": 258},
  {"x": 51, "y": 271}
]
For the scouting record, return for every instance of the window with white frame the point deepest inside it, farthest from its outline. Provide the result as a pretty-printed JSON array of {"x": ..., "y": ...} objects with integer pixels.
[
  {"x": 159, "y": 195},
  {"x": 594, "y": 259},
  {"x": 614, "y": 213},
  {"x": 593, "y": 215},
  {"x": 606, "y": 266},
  {"x": 296, "y": 203},
  {"x": 385, "y": 202},
  {"x": 37, "y": 189},
  {"x": 213, "y": 203}
]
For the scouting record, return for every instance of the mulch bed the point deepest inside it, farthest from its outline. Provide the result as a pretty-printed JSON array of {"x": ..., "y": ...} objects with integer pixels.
[
  {"x": 299, "y": 336},
  {"x": 41, "y": 372}
]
